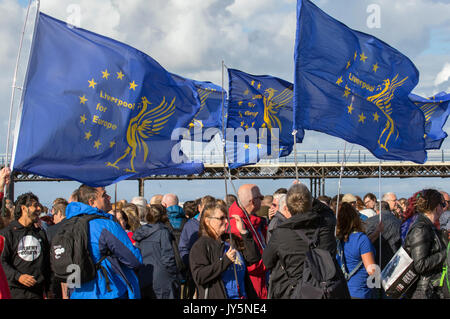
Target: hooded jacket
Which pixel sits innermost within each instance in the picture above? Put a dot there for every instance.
(159, 271)
(257, 271)
(107, 236)
(286, 249)
(26, 251)
(176, 216)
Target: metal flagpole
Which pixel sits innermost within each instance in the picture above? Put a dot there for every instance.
(379, 207)
(339, 186)
(13, 90)
(294, 133)
(228, 172)
(225, 174)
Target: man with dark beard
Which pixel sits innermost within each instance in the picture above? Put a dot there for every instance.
(26, 258)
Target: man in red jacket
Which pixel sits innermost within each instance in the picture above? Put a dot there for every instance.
(250, 199)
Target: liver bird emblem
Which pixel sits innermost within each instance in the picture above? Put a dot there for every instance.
(272, 105)
(383, 101)
(143, 126)
(203, 95)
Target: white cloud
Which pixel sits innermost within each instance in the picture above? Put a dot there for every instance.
(443, 76)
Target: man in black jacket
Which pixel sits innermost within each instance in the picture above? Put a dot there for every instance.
(285, 253)
(26, 258)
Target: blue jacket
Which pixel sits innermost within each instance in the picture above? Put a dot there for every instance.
(189, 236)
(160, 269)
(176, 216)
(107, 235)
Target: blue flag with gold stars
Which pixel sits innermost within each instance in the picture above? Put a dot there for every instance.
(98, 111)
(354, 86)
(260, 118)
(436, 110)
(209, 118)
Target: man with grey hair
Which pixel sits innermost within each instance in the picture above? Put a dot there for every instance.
(286, 252)
(281, 215)
(394, 207)
(141, 204)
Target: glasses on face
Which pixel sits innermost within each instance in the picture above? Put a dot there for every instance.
(223, 218)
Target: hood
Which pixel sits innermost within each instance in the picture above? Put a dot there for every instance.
(175, 211)
(301, 221)
(147, 230)
(77, 208)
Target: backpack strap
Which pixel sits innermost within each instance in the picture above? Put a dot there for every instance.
(340, 251)
(98, 265)
(312, 243)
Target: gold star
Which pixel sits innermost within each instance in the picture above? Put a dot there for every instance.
(350, 108)
(346, 93)
(252, 83)
(83, 119)
(105, 74)
(339, 81)
(83, 99)
(375, 116)
(242, 123)
(361, 118)
(111, 144)
(120, 75)
(375, 67)
(362, 57)
(356, 54)
(246, 127)
(348, 64)
(246, 146)
(133, 85)
(92, 83)
(87, 135)
(240, 103)
(259, 86)
(258, 146)
(97, 144)
(246, 91)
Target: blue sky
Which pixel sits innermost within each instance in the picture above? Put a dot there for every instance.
(191, 38)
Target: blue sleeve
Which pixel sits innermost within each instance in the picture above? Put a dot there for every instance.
(183, 245)
(365, 246)
(116, 240)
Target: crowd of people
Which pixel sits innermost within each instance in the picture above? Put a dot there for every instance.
(247, 246)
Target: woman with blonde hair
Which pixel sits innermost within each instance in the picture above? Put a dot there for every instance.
(218, 260)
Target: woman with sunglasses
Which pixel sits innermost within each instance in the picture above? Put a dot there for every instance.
(216, 262)
(426, 245)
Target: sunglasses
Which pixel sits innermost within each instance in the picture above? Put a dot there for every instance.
(223, 218)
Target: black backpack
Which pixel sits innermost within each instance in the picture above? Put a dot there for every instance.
(69, 246)
(322, 276)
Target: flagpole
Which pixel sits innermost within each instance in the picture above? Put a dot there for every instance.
(13, 90)
(228, 172)
(339, 186)
(294, 133)
(379, 207)
(225, 172)
(223, 134)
